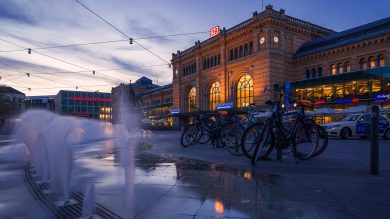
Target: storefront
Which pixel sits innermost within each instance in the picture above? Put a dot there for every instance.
(343, 91)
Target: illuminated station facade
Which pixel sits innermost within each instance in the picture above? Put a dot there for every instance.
(271, 48)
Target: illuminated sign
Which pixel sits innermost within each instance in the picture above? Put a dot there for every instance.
(174, 111)
(214, 31)
(353, 100)
(382, 97)
(80, 115)
(92, 99)
(319, 102)
(222, 106)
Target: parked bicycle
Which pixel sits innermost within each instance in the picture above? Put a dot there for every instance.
(204, 129)
(236, 130)
(304, 138)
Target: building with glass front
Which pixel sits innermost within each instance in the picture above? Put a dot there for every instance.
(346, 69)
(94, 105)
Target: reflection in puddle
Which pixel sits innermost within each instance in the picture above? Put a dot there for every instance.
(218, 207)
(223, 191)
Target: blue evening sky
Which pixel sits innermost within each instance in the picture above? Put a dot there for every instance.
(43, 23)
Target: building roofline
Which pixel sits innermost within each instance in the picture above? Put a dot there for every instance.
(359, 33)
(264, 14)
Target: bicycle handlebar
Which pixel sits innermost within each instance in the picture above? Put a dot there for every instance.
(280, 94)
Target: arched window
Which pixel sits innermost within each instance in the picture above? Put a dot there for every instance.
(208, 63)
(215, 60)
(241, 52)
(214, 97)
(333, 69)
(347, 66)
(204, 63)
(194, 67)
(191, 99)
(307, 74)
(236, 53)
(231, 55)
(340, 68)
(244, 91)
(313, 73)
(219, 59)
(362, 64)
(246, 50)
(211, 61)
(381, 60)
(250, 47)
(319, 72)
(372, 61)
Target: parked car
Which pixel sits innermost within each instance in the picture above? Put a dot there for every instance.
(357, 125)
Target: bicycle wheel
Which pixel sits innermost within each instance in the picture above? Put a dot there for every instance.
(305, 140)
(322, 141)
(204, 137)
(251, 138)
(233, 139)
(223, 131)
(189, 136)
(264, 145)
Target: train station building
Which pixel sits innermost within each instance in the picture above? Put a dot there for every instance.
(272, 48)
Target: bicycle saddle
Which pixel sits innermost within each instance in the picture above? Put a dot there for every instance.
(306, 103)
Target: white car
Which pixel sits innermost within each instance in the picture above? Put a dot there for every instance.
(357, 125)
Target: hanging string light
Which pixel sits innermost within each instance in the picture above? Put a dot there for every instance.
(28, 74)
(29, 51)
(131, 40)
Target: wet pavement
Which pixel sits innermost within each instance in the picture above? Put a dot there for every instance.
(207, 182)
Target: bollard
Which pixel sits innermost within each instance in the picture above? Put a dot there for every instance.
(278, 152)
(374, 140)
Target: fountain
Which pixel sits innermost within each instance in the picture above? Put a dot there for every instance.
(51, 140)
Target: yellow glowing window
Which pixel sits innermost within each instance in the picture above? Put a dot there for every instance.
(372, 62)
(214, 98)
(381, 60)
(347, 66)
(333, 69)
(340, 68)
(362, 64)
(191, 99)
(244, 91)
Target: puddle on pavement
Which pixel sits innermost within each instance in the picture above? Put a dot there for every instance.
(223, 191)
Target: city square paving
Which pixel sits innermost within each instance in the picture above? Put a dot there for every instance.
(202, 181)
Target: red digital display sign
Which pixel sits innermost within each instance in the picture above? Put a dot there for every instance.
(214, 31)
(79, 115)
(92, 99)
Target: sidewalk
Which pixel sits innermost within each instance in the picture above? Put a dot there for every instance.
(337, 184)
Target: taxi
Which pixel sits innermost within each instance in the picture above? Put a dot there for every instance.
(357, 125)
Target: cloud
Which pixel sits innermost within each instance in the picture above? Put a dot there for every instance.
(10, 10)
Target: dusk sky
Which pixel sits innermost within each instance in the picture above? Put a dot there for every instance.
(42, 23)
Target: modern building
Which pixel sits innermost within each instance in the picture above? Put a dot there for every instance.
(272, 48)
(40, 102)
(11, 105)
(94, 105)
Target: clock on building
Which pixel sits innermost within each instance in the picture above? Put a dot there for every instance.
(262, 40)
(276, 39)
